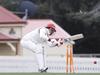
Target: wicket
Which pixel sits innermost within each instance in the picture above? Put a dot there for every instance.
(69, 58)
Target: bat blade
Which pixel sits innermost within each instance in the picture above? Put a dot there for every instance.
(72, 38)
(76, 37)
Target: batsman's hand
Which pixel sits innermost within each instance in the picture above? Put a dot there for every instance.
(59, 42)
(55, 42)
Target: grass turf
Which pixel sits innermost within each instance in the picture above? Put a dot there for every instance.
(49, 74)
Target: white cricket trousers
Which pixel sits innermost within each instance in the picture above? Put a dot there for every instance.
(38, 49)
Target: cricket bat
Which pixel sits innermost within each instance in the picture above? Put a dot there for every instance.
(74, 37)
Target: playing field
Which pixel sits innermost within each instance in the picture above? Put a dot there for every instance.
(49, 74)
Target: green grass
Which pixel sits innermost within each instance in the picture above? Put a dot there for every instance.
(49, 74)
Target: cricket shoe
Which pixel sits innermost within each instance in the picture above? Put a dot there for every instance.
(43, 70)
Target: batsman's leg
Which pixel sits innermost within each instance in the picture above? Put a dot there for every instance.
(39, 51)
(41, 59)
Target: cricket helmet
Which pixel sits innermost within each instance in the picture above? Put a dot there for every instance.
(50, 25)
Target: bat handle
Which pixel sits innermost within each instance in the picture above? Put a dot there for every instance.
(68, 40)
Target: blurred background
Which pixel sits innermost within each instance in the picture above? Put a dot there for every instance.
(74, 16)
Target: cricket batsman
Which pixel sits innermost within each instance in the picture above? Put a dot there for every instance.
(35, 41)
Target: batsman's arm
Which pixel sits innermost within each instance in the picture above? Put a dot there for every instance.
(53, 42)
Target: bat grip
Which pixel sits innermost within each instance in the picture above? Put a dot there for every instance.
(68, 40)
